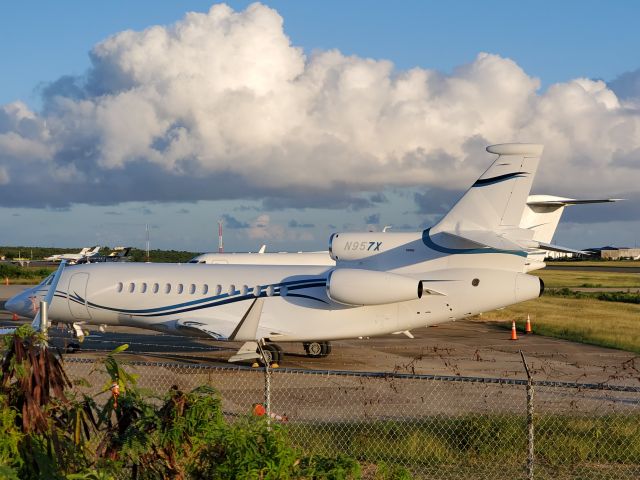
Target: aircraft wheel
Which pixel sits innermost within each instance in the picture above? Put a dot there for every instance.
(317, 349)
(272, 353)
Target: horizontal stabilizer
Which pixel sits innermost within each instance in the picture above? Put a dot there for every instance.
(562, 202)
(557, 248)
(486, 239)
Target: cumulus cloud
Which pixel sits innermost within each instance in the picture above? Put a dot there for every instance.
(373, 219)
(221, 105)
(293, 223)
(233, 223)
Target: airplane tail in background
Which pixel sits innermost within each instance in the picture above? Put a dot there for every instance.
(542, 214)
(495, 202)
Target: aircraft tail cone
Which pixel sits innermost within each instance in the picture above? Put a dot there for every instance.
(527, 328)
(514, 333)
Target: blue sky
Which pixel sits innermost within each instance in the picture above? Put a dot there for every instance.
(552, 43)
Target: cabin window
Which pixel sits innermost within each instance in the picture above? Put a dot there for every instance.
(180, 288)
(192, 289)
(205, 289)
(218, 289)
(143, 287)
(167, 288)
(232, 289)
(132, 287)
(156, 288)
(119, 287)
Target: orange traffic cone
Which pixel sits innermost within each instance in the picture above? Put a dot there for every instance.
(14, 317)
(514, 334)
(527, 327)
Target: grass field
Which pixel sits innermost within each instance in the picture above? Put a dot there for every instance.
(572, 279)
(486, 446)
(598, 263)
(608, 324)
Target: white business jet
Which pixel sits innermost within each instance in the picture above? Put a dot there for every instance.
(72, 258)
(474, 260)
(58, 257)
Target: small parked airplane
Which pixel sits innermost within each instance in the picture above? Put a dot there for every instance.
(72, 258)
(473, 260)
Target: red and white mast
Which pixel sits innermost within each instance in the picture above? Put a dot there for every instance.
(220, 244)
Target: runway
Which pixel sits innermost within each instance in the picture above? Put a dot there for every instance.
(464, 348)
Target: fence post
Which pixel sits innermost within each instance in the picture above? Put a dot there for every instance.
(267, 383)
(530, 438)
(44, 319)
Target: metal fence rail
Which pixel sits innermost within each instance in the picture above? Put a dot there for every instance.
(434, 426)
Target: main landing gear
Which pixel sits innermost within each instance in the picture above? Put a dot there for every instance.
(317, 349)
(272, 353)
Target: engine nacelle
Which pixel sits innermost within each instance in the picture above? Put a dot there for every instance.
(358, 246)
(351, 286)
(528, 287)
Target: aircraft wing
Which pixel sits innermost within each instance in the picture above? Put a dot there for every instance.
(247, 329)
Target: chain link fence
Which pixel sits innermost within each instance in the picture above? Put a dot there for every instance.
(444, 427)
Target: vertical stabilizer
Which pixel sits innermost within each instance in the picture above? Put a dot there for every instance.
(542, 215)
(496, 201)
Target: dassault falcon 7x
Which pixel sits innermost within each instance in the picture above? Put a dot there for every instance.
(475, 259)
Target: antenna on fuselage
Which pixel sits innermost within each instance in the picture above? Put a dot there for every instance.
(147, 231)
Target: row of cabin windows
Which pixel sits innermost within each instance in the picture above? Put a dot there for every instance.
(193, 289)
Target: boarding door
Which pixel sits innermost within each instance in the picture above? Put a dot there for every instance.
(77, 296)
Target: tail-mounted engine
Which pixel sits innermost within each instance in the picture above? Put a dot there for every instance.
(351, 286)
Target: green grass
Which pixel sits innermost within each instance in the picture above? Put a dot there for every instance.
(597, 263)
(573, 279)
(623, 297)
(477, 444)
(24, 275)
(586, 320)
